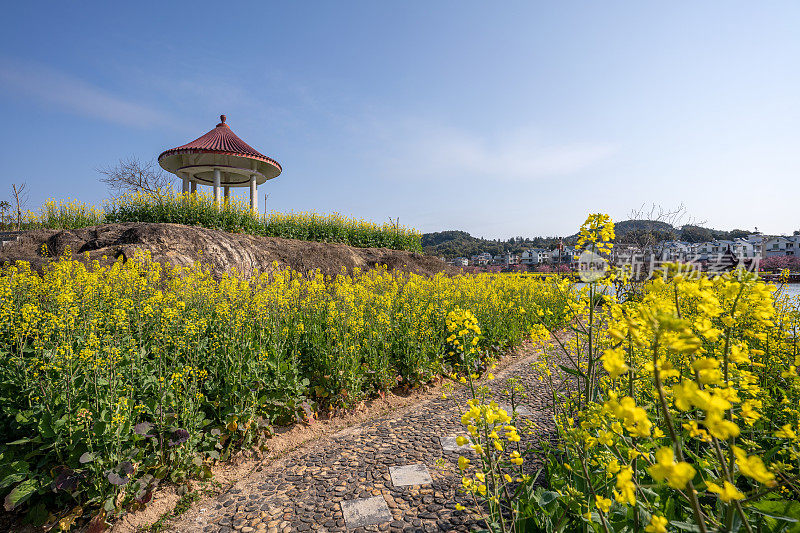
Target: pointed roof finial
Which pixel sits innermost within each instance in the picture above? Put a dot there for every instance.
(220, 140)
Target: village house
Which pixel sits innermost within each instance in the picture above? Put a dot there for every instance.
(482, 259)
(744, 249)
(777, 246)
(675, 251)
(624, 254)
(506, 259)
(535, 256)
(565, 255)
(701, 251)
(758, 242)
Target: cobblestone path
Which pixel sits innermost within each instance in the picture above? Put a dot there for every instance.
(396, 473)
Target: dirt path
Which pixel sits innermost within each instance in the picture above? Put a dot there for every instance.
(393, 473)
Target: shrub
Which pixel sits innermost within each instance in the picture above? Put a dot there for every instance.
(682, 413)
(63, 215)
(200, 210)
(115, 377)
(780, 263)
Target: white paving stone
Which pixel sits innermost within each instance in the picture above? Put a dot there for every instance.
(449, 445)
(522, 410)
(410, 475)
(365, 512)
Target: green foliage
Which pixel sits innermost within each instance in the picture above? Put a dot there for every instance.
(233, 216)
(678, 412)
(65, 214)
(183, 505)
(201, 210)
(451, 244)
(690, 233)
(116, 378)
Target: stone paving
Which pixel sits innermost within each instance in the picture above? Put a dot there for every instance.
(396, 473)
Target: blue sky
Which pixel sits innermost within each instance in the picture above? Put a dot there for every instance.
(501, 119)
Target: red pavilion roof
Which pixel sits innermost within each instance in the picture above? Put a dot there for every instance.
(220, 140)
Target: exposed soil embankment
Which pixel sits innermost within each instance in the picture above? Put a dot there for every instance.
(176, 244)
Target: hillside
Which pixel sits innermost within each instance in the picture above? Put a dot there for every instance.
(629, 230)
(184, 245)
(451, 244)
(454, 243)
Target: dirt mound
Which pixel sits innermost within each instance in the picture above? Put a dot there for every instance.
(222, 251)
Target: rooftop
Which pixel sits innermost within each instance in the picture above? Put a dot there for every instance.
(220, 140)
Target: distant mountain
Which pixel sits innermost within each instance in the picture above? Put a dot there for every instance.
(455, 243)
(638, 232)
(441, 237)
(628, 226)
(627, 229)
(700, 234)
(452, 244)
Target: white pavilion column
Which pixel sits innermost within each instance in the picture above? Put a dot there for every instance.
(253, 194)
(217, 195)
(185, 183)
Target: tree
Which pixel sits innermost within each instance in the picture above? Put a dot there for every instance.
(692, 233)
(5, 215)
(780, 262)
(653, 228)
(20, 200)
(133, 175)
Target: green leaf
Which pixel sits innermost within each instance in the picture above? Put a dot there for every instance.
(10, 479)
(573, 371)
(19, 441)
(86, 458)
(685, 526)
(20, 494)
(19, 471)
(160, 472)
(545, 497)
(109, 505)
(784, 510)
(38, 515)
(45, 427)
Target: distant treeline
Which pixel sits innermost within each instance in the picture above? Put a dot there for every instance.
(451, 244)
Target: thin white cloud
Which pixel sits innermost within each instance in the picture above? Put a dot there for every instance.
(71, 94)
(431, 151)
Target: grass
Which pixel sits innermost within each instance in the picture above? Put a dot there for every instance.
(103, 367)
(233, 216)
(183, 504)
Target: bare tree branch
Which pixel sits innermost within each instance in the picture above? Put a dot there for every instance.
(676, 217)
(21, 200)
(133, 175)
(656, 222)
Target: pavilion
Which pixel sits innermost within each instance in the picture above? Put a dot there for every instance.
(222, 160)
